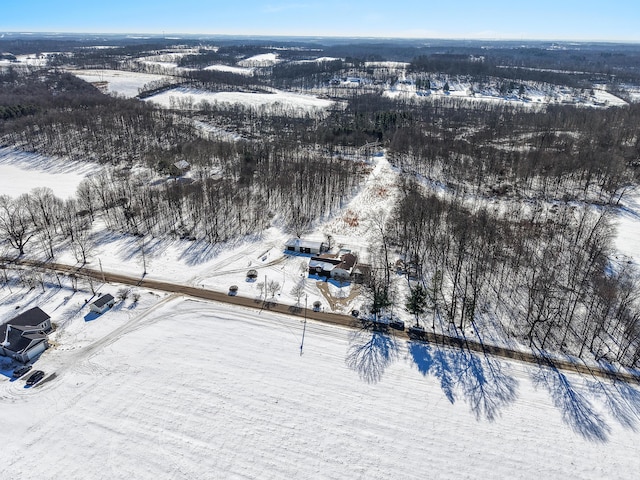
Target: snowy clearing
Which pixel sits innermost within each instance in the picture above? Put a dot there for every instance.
(261, 60)
(21, 172)
(126, 84)
(187, 98)
(230, 69)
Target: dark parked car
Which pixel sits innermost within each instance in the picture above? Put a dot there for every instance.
(397, 324)
(20, 371)
(35, 377)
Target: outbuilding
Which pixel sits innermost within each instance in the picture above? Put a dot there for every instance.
(104, 303)
(300, 245)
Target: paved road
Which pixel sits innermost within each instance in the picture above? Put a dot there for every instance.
(337, 319)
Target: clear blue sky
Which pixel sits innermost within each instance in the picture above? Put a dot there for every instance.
(515, 19)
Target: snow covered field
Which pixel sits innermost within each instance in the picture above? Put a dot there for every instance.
(21, 172)
(176, 388)
(126, 84)
(293, 103)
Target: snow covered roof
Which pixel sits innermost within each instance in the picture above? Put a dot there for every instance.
(182, 164)
(323, 266)
(301, 243)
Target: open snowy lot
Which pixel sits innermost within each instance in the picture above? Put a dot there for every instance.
(126, 84)
(175, 388)
(230, 69)
(293, 103)
(21, 172)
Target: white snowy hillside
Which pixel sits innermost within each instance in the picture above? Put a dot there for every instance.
(261, 60)
(126, 84)
(21, 172)
(188, 98)
(176, 388)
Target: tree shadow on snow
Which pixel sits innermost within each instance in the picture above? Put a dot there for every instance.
(577, 411)
(199, 252)
(479, 380)
(370, 353)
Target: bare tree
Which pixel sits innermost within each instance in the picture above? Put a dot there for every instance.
(15, 222)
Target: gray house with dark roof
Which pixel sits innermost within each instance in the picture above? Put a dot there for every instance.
(24, 337)
(104, 303)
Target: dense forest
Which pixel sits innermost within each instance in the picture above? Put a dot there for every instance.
(504, 209)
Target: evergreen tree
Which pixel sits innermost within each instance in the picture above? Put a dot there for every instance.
(416, 301)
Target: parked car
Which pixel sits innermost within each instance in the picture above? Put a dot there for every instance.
(416, 331)
(397, 324)
(20, 371)
(35, 377)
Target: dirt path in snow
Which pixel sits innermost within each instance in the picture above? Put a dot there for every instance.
(337, 319)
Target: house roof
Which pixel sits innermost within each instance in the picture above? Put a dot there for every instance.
(325, 266)
(33, 316)
(30, 318)
(348, 261)
(17, 341)
(103, 300)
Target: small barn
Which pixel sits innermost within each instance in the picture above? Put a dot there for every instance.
(300, 245)
(25, 336)
(104, 303)
(179, 168)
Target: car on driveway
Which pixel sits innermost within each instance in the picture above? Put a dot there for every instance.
(35, 377)
(20, 371)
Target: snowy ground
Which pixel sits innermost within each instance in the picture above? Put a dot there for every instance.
(126, 84)
(176, 388)
(292, 103)
(231, 69)
(533, 96)
(261, 60)
(21, 172)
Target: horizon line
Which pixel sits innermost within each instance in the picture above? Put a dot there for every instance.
(170, 35)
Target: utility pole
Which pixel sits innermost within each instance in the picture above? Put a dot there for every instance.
(304, 328)
(102, 271)
(144, 260)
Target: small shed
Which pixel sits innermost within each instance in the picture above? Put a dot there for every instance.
(179, 168)
(104, 303)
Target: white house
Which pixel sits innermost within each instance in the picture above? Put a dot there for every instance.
(24, 337)
(104, 303)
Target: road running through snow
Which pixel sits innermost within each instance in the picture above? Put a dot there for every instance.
(542, 360)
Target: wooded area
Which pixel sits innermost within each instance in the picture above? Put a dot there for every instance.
(504, 212)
